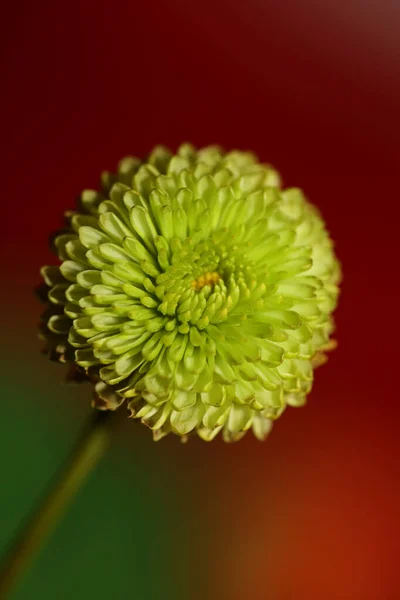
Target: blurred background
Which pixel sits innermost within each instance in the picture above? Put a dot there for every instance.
(312, 87)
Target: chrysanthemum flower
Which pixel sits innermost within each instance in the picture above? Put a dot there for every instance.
(196, 290)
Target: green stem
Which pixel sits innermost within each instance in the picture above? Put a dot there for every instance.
(87, 453)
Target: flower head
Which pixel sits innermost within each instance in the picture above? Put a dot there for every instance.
(196, 290)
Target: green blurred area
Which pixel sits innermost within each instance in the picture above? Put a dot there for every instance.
(126, 533)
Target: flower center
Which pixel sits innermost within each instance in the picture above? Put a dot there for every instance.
(209, 278)
(202, 283)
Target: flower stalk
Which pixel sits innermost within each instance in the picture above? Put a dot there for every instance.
(25, 548)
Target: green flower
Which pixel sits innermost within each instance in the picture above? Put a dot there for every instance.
(195, 289)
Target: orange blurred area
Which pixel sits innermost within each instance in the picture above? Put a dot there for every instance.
(315, 518)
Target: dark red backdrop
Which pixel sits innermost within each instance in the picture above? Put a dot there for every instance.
(314, 88)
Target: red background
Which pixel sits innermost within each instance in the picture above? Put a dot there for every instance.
(314, 88)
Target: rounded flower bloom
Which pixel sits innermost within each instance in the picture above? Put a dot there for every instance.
(196, 290)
